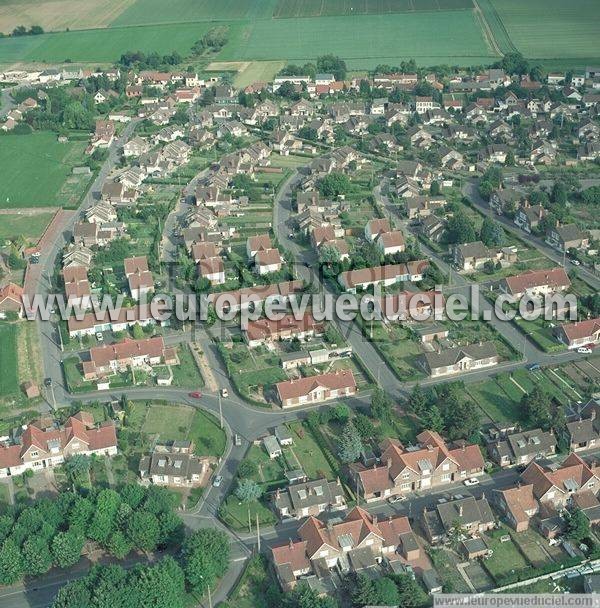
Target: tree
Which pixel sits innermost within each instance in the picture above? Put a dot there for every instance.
(334, 184)
(491, 233)
(143, 530)
(363, 591)
(460, 228)
(578, 525)
(418, 401)
(559, 194)
(536, 408)
(331, 64)
(340, 413)
(386, 592)
(513, 63)
(432, 419)
(410, 592)
(247, 468)
(435, 189)
(329, 255)
(205, 555)
(118, 545)
(461, 418)
(77, 467)
(36, 556)
(161, 585)
(248, 490)
(66, 548)
(103, 521)
(137, 331)
(350, 445)
(304, 597)
(381, 405)
(11, 566)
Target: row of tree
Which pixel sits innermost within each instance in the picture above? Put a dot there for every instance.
(53, 532)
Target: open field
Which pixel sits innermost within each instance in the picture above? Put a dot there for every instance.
(36, 171)
(451, 35)
(257, 71)
(55, 15)
(29, 226)
(143, 12)
(326, 8)
(9, 379)
(552, 28)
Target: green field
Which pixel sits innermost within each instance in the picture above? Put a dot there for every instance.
(29, 226)
(9, 379)
(326, 8)
(452, 36)
(36, 171)
(552, 28)
(181, 11)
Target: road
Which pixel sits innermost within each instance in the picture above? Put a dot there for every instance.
(470, 190)
(6, 101)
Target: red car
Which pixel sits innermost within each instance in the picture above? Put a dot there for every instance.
(195, 395)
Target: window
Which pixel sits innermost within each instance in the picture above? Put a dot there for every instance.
(446, 477)
(34, 454)
(446, 466)
(406, 475)
(405, 486)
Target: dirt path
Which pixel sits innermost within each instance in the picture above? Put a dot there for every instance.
(205, 369)
(487, 30)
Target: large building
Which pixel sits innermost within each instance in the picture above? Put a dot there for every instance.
(316, 389)
(44, 444)
(429, 464)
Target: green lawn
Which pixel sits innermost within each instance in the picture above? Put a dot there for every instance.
(171, 422)
(506, 557)
(250, 591)
(494, 401)
(235, 513)
(308, 453)
(205, 432)
(29, 226)
(186, 374)
(36, 170)
(444, 562)
(9, 379)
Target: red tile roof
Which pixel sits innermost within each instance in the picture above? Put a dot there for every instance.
(555, 278)
(292, 389)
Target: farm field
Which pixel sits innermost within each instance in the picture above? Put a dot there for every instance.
(28, 226)
(143, 12)
(321, 8)
(551, 28)
(36, 171)
(257, 71)
(453, 36)
(55, 15)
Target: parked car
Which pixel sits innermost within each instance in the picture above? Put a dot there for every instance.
(99, 336)
(224, 393)
(195, 395)
(396, 498)
(584, 350)
(533, 367)
(237, 440)
(217, 481)
(473, 481)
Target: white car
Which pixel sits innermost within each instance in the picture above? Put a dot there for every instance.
(584, 350)
(575, 262)
(217, 481)
(224, 393)
(471, 482)
(99, 336)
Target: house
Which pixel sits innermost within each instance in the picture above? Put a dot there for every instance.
(376, 227)
(108, 359)
(77, 286)
(472, 256)
(101, 213)
(528, 217)
(138, 276)
(91, 323)
(272, 446)
(494, 153)
(44, 444)
(309, 498)
(568, 236)
(430, 463)
(557, 485)
(104, 134)
(136, 147)
(460, 359)
(582, 430)
(536, 282)
(118, 193)
(263, 331)
(174, 464)
(267, 261)
(315, 389)
(357, 542)
(472, 515)
(351, 280)
(212, 269)
(521, 448)
(518, 505)
(505, 200)
(283, 435)
(259, 242)
(11, 299)
(423, 206)
(579, 334)
(391, 242)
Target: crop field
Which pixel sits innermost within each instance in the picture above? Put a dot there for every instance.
(320, 8)
(552, 28)
(452, 37)
(36, 171)
(181, 11)
(55, 15)
(9, 379)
